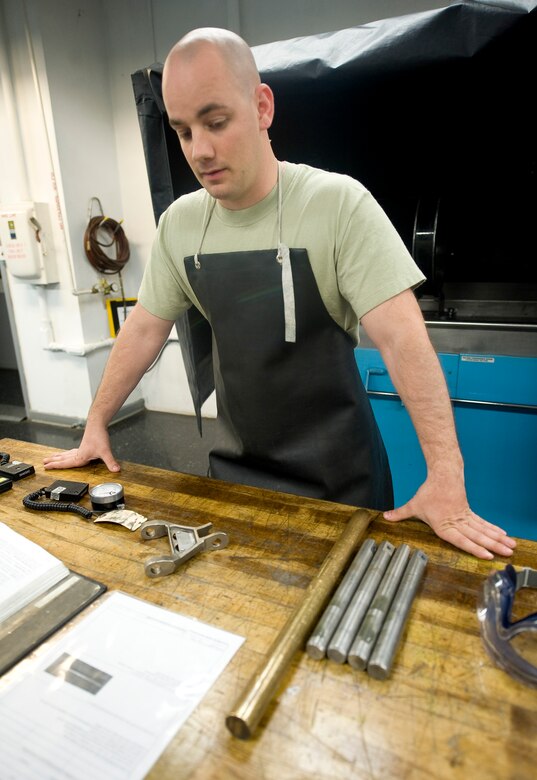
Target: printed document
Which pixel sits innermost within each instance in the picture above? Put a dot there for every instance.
(105, 698)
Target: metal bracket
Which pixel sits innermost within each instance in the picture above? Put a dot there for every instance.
(185, 541)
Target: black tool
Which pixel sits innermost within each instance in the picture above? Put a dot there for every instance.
(65, 490)
(14, 470)
(32, 501)
(5, 484)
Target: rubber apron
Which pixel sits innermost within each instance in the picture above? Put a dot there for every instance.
(293, 415)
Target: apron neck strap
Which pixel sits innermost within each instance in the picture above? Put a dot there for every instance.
(208, 214)
(282, 256)
(280, 198)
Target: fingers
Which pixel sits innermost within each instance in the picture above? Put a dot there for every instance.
(111, 464)
(65, 460)
(401, 513)
(474, 535)
(105, 454)
(76, 459)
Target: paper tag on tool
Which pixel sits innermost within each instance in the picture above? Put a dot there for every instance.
(131, 520)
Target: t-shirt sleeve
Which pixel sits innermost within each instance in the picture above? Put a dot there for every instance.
(162, 291)
(373, 263)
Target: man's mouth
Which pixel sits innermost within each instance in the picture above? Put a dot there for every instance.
(212, 174)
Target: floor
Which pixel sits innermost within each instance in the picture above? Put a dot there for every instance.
(169, 441)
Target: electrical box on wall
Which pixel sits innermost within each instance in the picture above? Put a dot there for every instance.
(26, 242)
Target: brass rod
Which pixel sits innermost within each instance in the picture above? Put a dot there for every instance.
(251, 706)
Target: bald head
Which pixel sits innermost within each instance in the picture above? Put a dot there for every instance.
(221, 112)
(234, 52)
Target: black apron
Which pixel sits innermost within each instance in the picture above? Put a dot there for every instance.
(292, 417)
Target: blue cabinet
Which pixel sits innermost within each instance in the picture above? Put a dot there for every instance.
(494, 401)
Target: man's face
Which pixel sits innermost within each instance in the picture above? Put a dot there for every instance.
(218, 124)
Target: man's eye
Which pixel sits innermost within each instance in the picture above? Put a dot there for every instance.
(218, 124)
(184, 135)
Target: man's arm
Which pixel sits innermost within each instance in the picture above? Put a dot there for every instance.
(397, 328)
(138, 343)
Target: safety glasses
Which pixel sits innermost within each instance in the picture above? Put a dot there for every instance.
(494, 611)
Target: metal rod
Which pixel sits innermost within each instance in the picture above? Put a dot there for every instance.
(323, 631)
(381, 659)
(250, 707)
(372, 623)
(339, 645)
(485, 325)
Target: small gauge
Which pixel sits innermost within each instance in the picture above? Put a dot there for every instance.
(107, 496)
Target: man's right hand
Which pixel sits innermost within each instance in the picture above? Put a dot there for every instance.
(138, 344)
(92, 447)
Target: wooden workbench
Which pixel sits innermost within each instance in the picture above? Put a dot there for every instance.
(445, 712)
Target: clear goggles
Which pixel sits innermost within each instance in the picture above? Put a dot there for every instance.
(498, 629)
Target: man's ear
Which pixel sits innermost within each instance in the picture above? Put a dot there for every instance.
(265, 106)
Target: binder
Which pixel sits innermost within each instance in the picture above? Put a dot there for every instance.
(26, 629)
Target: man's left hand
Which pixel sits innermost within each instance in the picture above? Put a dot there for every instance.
(451, 519)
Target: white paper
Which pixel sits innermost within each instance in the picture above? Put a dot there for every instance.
(105, 700)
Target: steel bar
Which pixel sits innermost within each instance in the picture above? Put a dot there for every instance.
(323, 631)
(371, 625)
(381, 658)
(253, 702)
(339, 645)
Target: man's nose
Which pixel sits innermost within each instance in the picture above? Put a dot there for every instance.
(202, 146)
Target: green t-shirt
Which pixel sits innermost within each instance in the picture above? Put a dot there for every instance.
(357, 256)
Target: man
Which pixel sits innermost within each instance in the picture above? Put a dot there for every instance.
(284, 260)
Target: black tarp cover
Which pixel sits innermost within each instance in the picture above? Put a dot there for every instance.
(409, 72)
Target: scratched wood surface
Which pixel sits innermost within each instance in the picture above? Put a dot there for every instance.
(445, 712)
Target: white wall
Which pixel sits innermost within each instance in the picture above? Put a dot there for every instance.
(69, 131)
(27, 138)
(58, 112)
